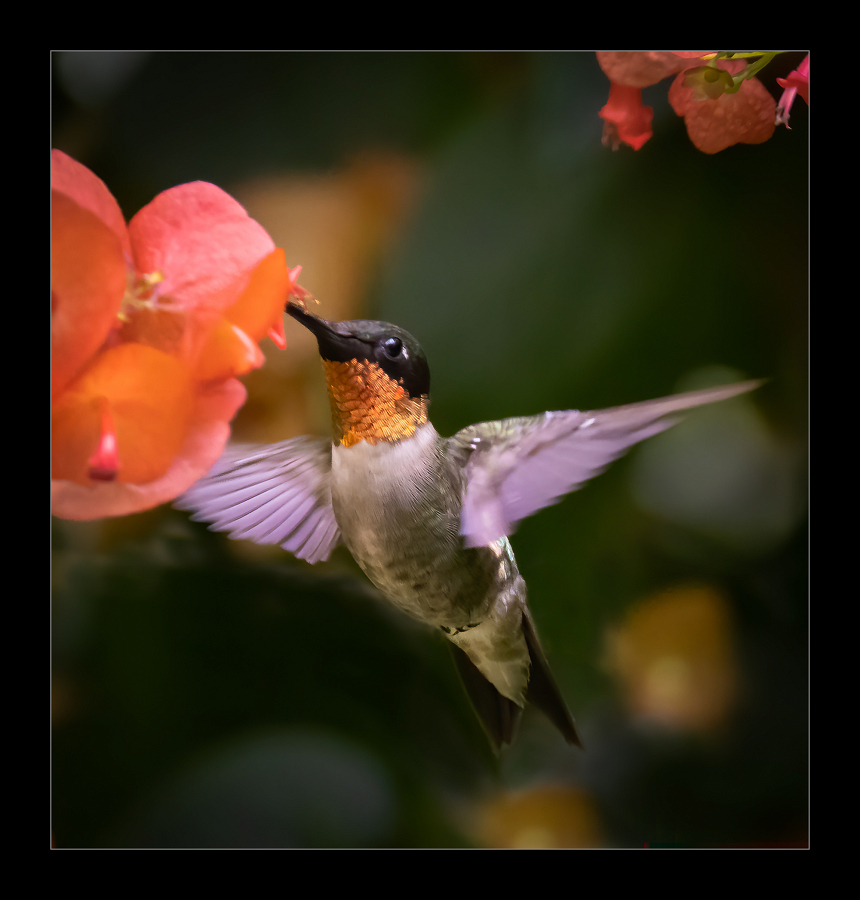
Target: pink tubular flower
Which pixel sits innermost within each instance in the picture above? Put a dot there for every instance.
(625, 119)
(150, 324)
(796, 82)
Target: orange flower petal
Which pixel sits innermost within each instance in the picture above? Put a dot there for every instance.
(150, 398)
(262, 303)
(203, 241)
(278, 336)
(69, 177)
(208, 432)
(162, 328)
(88, 274)
(228, 351)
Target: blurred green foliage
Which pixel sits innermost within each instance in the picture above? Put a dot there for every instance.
(205, 696)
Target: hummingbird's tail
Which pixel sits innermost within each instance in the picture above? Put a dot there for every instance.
(498, 714)
(542, 690)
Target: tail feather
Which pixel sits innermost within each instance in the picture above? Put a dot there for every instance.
(498, 715)
(543, 691)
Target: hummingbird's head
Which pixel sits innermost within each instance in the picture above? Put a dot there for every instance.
(377, 375)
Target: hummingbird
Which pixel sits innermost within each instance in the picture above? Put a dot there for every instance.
(427, 518)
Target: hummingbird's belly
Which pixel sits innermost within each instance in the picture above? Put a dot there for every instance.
(445, 589)
(398, 509)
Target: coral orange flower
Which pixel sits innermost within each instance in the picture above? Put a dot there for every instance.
(640, 68)
(747, 116)
(150, 324)
(625, 119)
(718, 109)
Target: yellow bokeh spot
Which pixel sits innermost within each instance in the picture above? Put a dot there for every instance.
(546, 817)
(674, 658)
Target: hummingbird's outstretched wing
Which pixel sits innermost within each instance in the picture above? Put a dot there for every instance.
(517, 466)
(275, 494)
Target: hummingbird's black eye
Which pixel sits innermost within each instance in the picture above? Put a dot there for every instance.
(393, 347)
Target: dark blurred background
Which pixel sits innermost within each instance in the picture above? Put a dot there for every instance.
(212, 693)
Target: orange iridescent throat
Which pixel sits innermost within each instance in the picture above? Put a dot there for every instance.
(366, 405)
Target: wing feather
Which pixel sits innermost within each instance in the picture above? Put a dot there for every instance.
(517, 466)
(277, 494)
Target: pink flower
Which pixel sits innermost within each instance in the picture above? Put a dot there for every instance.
(796, 82)
(150, 324)
(717, 113)
(625, 119)
(743, 117)
(640, 68)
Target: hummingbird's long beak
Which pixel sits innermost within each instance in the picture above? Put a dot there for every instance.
(335, 339)
(311, 322)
